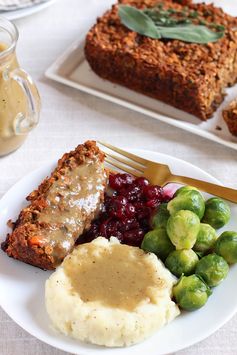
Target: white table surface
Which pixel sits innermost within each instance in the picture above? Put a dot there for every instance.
(69, 117)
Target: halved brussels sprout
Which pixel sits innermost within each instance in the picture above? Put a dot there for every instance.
(212, 269)
(183, 228)
(187, 199)
(161, 216)
(217, 212)
(205, 239)
(226, 246)
(191, 292)
(182, 262)
(158, 242)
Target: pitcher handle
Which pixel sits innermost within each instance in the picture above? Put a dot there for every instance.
(24, 122)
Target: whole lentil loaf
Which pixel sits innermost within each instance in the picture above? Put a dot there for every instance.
(189, 76)
(60, 210)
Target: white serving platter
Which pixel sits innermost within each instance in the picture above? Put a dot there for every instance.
(72, 69)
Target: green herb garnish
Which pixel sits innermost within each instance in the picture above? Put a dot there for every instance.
(159, 23)
(136, 20)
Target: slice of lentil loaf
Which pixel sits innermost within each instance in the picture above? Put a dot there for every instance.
(189, 76)
(60, 209)
(230, 117)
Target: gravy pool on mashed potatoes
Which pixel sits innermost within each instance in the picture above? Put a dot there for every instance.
(110, 294)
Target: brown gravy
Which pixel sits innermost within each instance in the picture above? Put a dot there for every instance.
(73, 201)
(117, 277)
(12, 103)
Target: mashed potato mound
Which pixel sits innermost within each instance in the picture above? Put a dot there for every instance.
(110, 294)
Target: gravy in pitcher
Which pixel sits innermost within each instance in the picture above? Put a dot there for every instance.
(13, 103)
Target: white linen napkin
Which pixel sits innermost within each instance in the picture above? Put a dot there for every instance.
(9, 5)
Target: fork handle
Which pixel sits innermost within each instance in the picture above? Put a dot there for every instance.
(221, 191)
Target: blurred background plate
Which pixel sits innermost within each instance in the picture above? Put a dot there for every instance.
(72, 69)
(27, 11)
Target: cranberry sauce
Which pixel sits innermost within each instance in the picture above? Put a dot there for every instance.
(126, 212)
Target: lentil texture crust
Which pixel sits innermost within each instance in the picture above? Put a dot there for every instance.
(189, 76)
(23, 243)
(230, 117)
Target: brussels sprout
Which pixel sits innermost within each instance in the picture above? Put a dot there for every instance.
(188, 199)
(183, 228)
(158, 242)
(160, 218)
(205, 239)
(212, 269)
(226, 246)
(191, 292)
(217, 212)
(182, 262)
(184, 189)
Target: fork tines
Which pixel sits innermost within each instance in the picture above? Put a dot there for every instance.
(131, 164)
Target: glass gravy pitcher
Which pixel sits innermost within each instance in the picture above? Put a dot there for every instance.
(19, 97)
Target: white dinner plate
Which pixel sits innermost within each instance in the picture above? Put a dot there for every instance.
(22, 286)
(24, 12)
(72, 69)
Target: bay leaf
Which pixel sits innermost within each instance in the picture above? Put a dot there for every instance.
(137, 21)
(190, 33)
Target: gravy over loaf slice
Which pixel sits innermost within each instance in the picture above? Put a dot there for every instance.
(60, 210)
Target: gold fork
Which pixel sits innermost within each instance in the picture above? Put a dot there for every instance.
(160, 174)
